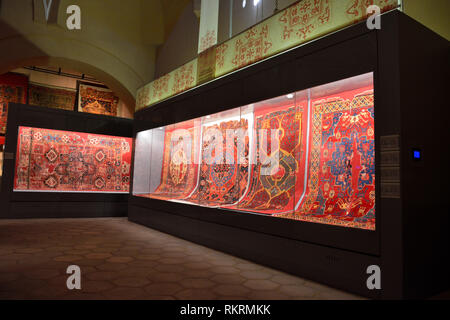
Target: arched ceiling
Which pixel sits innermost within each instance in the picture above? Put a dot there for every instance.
(117, 40)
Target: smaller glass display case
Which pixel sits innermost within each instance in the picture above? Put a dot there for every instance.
(308, 155)
(65, 161)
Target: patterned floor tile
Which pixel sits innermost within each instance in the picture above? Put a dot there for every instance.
(122, 260)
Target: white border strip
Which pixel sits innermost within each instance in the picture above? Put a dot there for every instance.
(305, 179)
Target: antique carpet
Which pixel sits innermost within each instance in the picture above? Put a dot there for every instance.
(13, 88)
(341, 178)
(98, 100)
(274, 190)
(49, 97)
(180, 167)
(223, 178)
(64, 161)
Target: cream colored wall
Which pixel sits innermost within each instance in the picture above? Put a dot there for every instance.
(181, 44)
(434, 14)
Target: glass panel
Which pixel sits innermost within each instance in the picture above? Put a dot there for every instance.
(341, 163)
(65, 161)
(156, 158)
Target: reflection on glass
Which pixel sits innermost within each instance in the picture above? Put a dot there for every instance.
(142, 154)
(306, 156)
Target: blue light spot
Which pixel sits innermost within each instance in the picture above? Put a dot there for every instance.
(416, 154)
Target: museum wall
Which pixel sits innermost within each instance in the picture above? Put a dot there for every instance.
(126, 44)
(182, 43)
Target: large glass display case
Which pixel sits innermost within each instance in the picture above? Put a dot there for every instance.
(66, 161)
(308, 155)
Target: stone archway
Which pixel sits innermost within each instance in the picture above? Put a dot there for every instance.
(16, 52)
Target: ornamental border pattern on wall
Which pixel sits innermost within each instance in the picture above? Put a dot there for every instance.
(253, 47)
(160, 86)
(183, 78)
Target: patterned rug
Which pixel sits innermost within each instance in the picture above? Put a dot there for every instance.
(64, 161)
(13, 88)
(51, 97)
(274, 190)
(98, 100)
(223, 177)
(341, 181)
(179, 168)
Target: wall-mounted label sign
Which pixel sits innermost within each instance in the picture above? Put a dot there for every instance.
(390, 158)
(390, 190)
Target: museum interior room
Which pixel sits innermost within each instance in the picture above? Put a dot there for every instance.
(224, 150)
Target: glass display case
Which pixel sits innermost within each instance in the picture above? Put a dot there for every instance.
(308, 155)
(66, 161)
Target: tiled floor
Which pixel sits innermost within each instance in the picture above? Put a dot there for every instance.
(123, 260)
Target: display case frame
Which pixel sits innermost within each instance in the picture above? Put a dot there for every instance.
(58, 204)
(334, 255)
